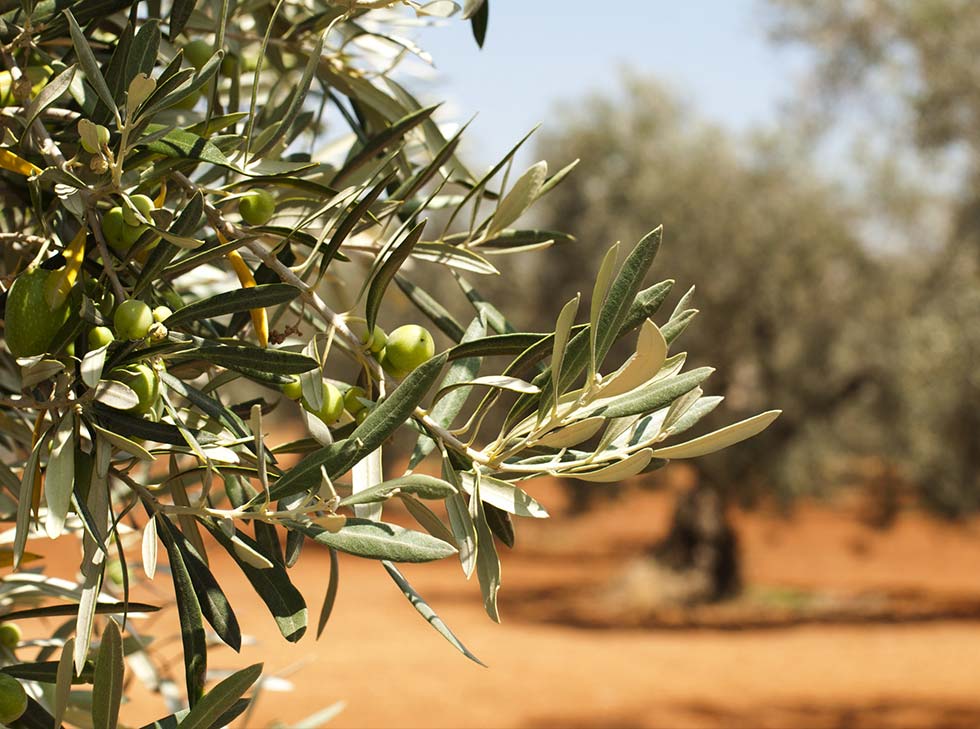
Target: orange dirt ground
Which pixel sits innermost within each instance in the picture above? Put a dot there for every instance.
(915, 666)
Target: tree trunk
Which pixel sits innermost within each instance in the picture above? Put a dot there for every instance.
(699, 555)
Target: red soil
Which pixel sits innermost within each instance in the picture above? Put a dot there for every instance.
(915, 669)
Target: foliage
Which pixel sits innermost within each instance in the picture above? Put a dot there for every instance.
(131, 174)
(913, 66)
(793, 305)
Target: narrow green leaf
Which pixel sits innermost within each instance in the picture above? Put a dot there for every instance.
(379, 540)
(52, 91)
(487, 561)
(690, 418)
(380, 142)
(653, 396)
(107, 686)
(719, 439)
(230, 302)
(330, 596)
(427, 612)
(421, 485)
(63, 682)
(563, 327)
(182, 144)
(616, 471)
(192, 632)
(602, 282)
(387, 270)
(519, 198)
(89, 65)
(251, 358)
(272, 585)
(221, 698)
(504, 495)
(623, 292)
(60, 477)
(435, 311)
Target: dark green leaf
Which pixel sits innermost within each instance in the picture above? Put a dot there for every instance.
(49, 94)
(479, 22)
(221, 698)
(331, 595)
(230, 302)
(47, 671)
(187, 145)
(87, 60)
(244, 357)
(272, 585)
(435, 311)
(377, 144)
(347, 224)
(107, 684)
(180, 13)
(102, 608)
(213, 604)
(387, 270)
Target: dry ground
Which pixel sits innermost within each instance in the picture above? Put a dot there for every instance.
(842, 626)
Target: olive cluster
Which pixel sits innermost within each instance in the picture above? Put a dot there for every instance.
(398, 353)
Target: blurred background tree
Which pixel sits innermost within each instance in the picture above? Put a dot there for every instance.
(860, 287)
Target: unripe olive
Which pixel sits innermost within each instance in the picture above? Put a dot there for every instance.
(256, 207)
(100, 337)
(332, 407)
(293, 389)
(119, 234)
(190, 101)
(161, 313)
(9, 635)
(133, 319)
(353, 399)
(13, 699)
(103, 138)
(30, 321)
(408, 347)
(141, 379)
(389, 367)
(114, 572)
(362, 415)
(375, 340)
(198, 52)
(143, 203)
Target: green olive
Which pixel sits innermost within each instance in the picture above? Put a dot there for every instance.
(332, 407)
(10, 635)
(143, 203)
(160, 313)
(13, 699)
(100, 337)
(408, 347)
(353, 399)
(132, 319)
(103, 140)
(293, 389)
(375, 341)
(256, 207)
(142, 380)
(198, 52)
(30, 322)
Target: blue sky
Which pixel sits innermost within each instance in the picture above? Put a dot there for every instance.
(714, 53)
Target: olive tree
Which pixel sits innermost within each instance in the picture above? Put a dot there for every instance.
(205, 206)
